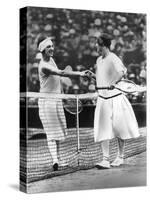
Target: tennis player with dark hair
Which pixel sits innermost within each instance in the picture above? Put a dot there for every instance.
(114, 117)
(51, 110)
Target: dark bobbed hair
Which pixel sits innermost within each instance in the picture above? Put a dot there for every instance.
(105, 40)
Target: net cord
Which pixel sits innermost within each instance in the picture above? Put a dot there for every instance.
(58, 96)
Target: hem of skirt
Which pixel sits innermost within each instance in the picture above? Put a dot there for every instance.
(133, 137)
(101, 140)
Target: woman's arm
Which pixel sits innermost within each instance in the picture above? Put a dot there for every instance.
(55, 71)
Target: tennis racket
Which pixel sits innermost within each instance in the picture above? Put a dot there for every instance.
(73, 106)
(125, 86)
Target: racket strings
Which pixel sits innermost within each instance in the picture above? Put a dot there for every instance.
(72, 106)
(125, 86)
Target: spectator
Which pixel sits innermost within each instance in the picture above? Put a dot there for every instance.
(75, 38)
(33, 82)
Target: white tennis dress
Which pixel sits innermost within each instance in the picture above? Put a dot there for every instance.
(51, 111)
(114, 117)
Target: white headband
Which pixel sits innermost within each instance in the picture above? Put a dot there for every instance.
(44, 44)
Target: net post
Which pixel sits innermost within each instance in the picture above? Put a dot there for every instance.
(77, 125)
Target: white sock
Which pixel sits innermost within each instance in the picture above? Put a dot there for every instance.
(53, 150)
(105, 149)
(121, 146)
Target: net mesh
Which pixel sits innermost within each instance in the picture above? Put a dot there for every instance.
(76, 151)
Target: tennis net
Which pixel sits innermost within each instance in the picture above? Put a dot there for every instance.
(78, 150)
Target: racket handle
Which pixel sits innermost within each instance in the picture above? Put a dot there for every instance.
(111, 87)
(103, 88)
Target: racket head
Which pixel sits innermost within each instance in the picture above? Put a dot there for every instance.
(129, 87)
(70, 105)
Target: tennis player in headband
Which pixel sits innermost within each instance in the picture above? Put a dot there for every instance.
(51, 111)
(114, 117)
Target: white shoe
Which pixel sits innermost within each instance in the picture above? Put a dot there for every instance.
(104, 164)
(117, 162)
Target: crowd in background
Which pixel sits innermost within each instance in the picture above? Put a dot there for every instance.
(73, 33)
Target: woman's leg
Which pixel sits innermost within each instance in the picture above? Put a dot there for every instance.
(105, 149)
(119, 159)
(52, 145)
(104, 164)
(121, 145)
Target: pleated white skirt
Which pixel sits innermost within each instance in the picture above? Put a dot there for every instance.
(52, 116)
(114, 118)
